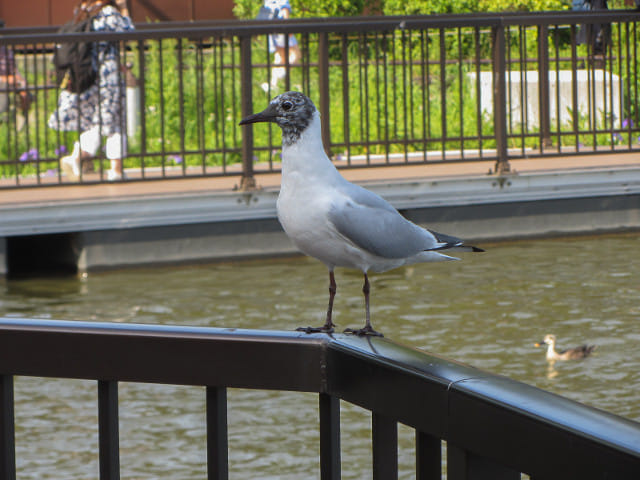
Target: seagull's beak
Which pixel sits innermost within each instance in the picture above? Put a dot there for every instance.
(267, 115)
(538, 344)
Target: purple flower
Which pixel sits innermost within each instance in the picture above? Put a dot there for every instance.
(617, 137)
(61, 150)
(31, 154)
(175, 158)
(627, 123)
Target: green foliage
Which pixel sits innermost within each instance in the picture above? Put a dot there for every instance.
(247, 9)
(428, 7)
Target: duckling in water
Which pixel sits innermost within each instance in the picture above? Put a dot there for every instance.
(568, 354)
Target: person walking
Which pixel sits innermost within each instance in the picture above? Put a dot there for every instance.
(280, 10)
(99, 110)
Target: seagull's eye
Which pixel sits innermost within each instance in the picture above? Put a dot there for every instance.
(286, 106)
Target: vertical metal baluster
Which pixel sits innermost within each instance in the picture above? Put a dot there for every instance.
(479, 127)
(329, 437)
(181, 97)
(463, 465)
(544, 88)
(384, 433)
(248, 181)
(574, 88)
(323, 86)
(7, 429)
(141, 107)
(108, 430)
(344, 43)
(500, 98)
(217, 446)
(456, 463)
(443, 93)
(428, 457)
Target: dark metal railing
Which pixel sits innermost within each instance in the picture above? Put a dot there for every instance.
(494, 427)
(392, 91)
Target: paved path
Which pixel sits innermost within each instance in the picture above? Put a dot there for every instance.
(271, 181)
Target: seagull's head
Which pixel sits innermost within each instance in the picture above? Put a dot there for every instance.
(291, 111)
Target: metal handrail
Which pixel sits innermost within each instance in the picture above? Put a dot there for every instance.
(494, 427)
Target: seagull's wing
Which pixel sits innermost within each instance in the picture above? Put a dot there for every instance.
(372, 224)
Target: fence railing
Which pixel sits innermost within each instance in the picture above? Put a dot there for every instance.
(494, 427)
(392, 91)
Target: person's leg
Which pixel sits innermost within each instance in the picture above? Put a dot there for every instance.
(116, 150)
(85, 148)
(278, 71)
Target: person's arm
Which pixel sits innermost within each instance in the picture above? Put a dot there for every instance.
(122, 6)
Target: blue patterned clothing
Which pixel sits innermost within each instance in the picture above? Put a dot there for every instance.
(103, 103)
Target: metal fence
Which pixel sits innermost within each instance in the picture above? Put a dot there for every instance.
(391, 90)
(494, 427)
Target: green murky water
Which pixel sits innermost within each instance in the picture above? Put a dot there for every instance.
(486, 310)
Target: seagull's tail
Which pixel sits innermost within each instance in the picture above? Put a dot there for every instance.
(464, 248)
(449, 242)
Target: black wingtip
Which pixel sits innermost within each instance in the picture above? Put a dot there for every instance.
(476, 249)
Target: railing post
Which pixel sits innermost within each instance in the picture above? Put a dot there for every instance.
(384, 432)
(428, 457)
(108, 430)
(500, 98)
(543, 85)
(247, 182)
(323, 86)
(7, 429)
(329, 437)
(217, 443)
(463, 465)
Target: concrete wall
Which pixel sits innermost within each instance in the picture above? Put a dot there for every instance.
(195, 243)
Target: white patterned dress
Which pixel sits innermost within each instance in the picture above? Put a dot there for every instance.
(103, 103)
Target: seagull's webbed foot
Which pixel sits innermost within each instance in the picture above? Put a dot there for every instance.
(365, 331)
(322, 329)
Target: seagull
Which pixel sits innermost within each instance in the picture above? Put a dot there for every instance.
(576, 353)
(335, 221)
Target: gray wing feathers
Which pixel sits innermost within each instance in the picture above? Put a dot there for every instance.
(374, 225)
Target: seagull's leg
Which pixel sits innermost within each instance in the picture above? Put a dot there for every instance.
(368, 329)
(328, 325)
(332, 293)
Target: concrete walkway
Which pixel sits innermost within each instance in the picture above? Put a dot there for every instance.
(404, 173)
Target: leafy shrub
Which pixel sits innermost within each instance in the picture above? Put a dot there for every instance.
(248, 9)
(402, 7)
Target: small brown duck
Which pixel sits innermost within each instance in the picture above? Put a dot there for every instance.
(576, 353)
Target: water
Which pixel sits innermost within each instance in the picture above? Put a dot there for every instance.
(486, 311)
